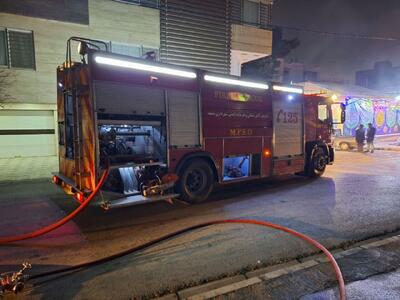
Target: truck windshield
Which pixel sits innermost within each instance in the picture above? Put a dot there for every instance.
(336, 113)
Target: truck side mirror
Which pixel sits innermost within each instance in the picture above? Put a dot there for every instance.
(343, 113)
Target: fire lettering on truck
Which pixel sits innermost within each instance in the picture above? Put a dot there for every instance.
(287, 117)
(241, 131)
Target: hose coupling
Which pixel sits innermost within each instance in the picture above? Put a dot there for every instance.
(14, 281)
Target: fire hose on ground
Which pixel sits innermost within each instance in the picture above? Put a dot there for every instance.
(14, 281)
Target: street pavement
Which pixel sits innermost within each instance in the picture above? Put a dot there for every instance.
(357, 198)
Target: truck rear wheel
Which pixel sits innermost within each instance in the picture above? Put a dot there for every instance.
(196, 181)
(317, 164)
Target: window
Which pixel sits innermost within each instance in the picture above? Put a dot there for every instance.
(250, 12)
(69, 125)
(17, 49)
(322, 112)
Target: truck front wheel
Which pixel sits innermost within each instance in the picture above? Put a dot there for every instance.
(317, 164)
(196, 181)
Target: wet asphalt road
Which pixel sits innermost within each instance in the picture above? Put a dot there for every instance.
(357, 198)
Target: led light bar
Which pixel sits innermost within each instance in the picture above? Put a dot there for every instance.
(143, 67)
(236, 82)
(287, 89)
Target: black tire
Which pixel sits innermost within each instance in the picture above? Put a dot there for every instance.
(196, 181)
(317, 164)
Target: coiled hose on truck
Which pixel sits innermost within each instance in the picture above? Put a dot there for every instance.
(51, 227)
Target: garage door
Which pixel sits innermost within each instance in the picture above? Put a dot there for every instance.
(25, 133)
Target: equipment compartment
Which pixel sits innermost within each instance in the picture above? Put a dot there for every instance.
(236, 167)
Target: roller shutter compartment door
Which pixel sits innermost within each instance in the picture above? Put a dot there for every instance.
(128, 99)
(26, 133)
(183, 115)
(288, 127)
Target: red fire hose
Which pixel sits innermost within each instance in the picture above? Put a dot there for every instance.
(61, 222)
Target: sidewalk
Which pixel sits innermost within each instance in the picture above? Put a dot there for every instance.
(387, 146)
(378, 287)
(374, 261)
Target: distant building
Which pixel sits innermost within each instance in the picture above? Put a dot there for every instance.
(295, 72)
(298, 72)
(384, 77)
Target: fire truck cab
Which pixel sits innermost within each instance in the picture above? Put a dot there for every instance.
(168, 131)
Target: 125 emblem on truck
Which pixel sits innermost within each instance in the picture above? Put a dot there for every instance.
(287, 117)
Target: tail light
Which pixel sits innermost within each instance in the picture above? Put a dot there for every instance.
(80, 197)
(55, 180)
(170, 177)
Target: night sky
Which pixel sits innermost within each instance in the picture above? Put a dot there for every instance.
(338, 57)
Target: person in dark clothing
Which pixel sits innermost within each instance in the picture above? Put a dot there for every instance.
(370, 137)
(360, 138)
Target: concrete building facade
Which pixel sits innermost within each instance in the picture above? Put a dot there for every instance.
(215, 35)
(33, 43)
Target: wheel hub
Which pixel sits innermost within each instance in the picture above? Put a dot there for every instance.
(320, 163)
(195, 181)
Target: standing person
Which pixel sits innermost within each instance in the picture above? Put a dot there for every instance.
(360, 138)
(370, 137)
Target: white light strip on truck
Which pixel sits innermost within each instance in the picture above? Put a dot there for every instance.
(143, 67)
(236, 82)
(287, 89)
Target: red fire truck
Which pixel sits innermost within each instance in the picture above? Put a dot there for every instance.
(168, 131)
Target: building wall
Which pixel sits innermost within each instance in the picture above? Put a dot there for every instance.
(250, 39)
(196, 34)
(108, 20)
(214, 34)
(75, 11)
(28, 126)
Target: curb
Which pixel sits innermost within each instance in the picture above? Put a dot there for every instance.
(376, 149)
(252, 279)
(388, 148)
